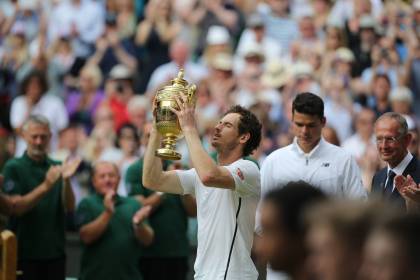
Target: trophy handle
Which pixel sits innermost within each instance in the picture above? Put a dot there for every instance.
(191, 89)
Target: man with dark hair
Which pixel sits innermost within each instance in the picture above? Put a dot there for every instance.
(392, 140)
(41, 193)
(227, 191)
(282, 243)
(310, 158)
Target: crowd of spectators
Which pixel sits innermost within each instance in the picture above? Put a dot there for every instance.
(92, 68)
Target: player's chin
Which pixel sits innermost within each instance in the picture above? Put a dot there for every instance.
(214, 143)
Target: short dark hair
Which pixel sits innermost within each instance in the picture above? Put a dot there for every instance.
(248, 123)
(127, 126)
(309, 104)
(35, 74)
(291, 201)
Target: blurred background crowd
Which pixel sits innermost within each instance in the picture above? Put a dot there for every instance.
(92, 68)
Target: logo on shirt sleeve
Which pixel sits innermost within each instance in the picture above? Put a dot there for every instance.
(325, 164)
(240, 174)
(9, 185)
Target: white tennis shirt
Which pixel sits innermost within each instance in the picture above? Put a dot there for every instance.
(326, 167)
(217, 209)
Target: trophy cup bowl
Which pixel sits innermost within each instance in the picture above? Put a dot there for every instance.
(167, 123)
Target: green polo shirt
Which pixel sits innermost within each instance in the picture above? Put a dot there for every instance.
(40, 231)
(115, 254)
(169, 220)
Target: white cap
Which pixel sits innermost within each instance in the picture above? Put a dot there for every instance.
(253, 49)
(401, 94)
(120, 72)
(302, 69)
(344, 54)
(217, 35)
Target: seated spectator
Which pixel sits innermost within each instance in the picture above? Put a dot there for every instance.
(82, 104)
(119, 89)
(379, 99)
(138, 110)
(111, 229)
(401, 99)
(124, 154)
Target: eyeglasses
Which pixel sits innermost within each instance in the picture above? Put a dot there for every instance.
(388, 139)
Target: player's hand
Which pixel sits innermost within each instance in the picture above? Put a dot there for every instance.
(185, 113)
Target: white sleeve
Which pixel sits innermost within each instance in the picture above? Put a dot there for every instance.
(352, 183)
(266, 176)
(247, 178)
(188, 179)
(18, 112)
(61, 118)
(267, 183)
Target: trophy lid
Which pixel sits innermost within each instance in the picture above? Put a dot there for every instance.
(179, 80)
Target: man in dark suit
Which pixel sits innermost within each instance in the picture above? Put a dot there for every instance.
(392, 140)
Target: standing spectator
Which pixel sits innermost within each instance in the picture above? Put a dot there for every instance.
(43, 193)
(207, 13)
(279, 15)
(34, 100)
(82, 21)
(126, 18)
(167, 257)
(111, 228)
(227, 192)
(392, 140)
(111, 50)
(154, 35)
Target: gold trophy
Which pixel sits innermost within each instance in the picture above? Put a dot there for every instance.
(167, 123)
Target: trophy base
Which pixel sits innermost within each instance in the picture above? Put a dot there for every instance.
(168, 154)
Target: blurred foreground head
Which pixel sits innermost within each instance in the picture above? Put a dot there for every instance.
(283, 231)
